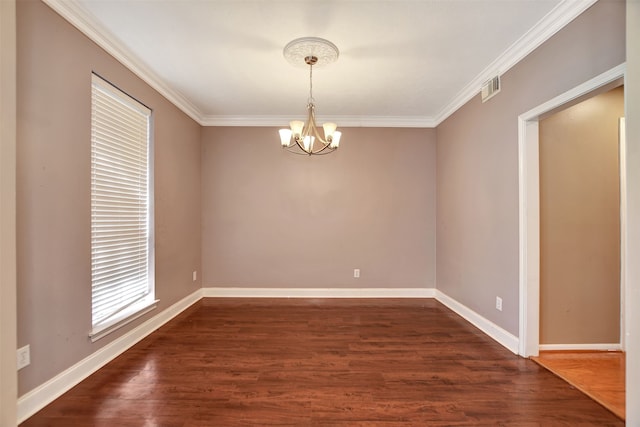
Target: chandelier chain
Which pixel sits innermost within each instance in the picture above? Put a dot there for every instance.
(310, 100)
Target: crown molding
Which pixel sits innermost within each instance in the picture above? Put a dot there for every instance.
(561, 15)
(387, 121)
(79, 18)
(342, 121)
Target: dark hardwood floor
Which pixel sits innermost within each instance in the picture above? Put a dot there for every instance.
(310, 362)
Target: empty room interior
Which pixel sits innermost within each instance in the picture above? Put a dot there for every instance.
(321, 213)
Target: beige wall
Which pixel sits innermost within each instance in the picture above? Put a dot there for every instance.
(8, 375)
(477, 163)
(275, 219)
(632, 266)
(55, 62)
(580, 222)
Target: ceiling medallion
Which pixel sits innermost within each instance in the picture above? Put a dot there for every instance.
(297, 50)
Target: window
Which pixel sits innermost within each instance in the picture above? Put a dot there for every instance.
(122, 285)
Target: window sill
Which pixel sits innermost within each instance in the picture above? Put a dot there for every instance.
(125, 318)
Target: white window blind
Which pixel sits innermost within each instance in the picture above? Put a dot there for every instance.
(122, 282)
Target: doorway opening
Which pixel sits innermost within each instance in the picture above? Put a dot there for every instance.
(529, 206)
(579, 180)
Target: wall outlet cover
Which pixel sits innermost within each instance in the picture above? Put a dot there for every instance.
(24, 356)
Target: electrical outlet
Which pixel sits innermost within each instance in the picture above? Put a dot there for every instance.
(498, 303)
(24, 357)
(194, 275)
(356, 273)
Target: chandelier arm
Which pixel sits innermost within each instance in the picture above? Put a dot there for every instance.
(326, 149)
(299, 144)
(323, 152)
(312, 126)
(318, 137)
(300, 152)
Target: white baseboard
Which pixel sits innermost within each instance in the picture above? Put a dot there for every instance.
(581, 347)
(38, 398)
(229, 292)
(494, 331)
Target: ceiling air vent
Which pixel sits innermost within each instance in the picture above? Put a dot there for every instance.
(490, 88)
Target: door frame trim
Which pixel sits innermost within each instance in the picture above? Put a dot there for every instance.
(622, 160)
(529, 208)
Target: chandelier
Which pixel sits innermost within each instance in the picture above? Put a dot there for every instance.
(304, 137)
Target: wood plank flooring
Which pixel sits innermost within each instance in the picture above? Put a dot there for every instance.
(599, 374)
(314, 362)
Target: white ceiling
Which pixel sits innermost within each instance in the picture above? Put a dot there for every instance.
(402, 62)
